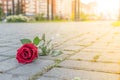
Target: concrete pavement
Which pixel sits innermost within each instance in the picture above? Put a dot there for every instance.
(91, 51)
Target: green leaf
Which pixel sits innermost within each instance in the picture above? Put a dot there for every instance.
(43, 50)
(43, 37)
(49, 42)
(24, 41)
(36, 40)
(76, 78)
(56, 53)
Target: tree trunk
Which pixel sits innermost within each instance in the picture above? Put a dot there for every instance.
(75, 10)
(22, 10)
(119, 11)
(7, 8)
(78, 9)
(48, 9)
(13, 7)
(52, 10)
(18, 7)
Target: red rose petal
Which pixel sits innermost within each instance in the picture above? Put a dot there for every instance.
(27, 53)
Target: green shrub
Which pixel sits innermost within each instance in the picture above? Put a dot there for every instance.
(76, 78)
(57, 18)
(17, 18)
(1, 14)
(40, 17)
(84, 16)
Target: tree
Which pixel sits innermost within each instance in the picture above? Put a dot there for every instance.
(9, 12)
(22, 10)
(77, 10)
(7, 8)
(1, 14)
(119, 11)
(52, 9)
(48, 9)
(13, 7)
(19, 7)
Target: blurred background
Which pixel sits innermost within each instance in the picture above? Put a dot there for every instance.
(61, 10)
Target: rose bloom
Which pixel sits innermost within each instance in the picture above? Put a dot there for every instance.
(27, 53)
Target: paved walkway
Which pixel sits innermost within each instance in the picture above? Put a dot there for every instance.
(91, 51)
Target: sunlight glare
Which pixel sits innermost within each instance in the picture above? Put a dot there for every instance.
(105, 7)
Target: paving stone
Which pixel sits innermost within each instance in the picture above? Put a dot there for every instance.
(69, 74)
(73, 48)
(102, 49)
(2, 58)
(73, 35)
(72, 42)
(88, 40)
(11, 45)
(91, 50)
(115, 45)
(5, 49)
(38, 66)
(94, 49)
(92, 66)
(60, 57)
(68, 52)
(12, 77)
(110, 57)
(98, 50)
(8, 65)
(66, 39)
(105, 50)
(48, 78)
(85, 56)
(99, 44)
(9, 53)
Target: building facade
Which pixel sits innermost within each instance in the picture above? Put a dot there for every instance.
(62, 8)
(29, 7)
(6, 5)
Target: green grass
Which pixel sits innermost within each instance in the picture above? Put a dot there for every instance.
(95, 58)
(116, 24)
(48, 21)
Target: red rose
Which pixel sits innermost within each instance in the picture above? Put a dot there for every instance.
(27, 53)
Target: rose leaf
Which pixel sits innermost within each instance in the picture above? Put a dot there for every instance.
(36, 40)
(24, 41)
(43, 37)
(56, 53)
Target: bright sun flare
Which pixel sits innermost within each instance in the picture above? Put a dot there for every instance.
(105, 6)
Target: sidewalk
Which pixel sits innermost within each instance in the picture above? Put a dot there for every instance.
(91, 52)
